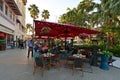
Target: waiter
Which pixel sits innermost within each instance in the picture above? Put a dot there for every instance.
(30, 47)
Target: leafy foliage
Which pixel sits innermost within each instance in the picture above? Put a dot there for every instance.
(115, 50)
(45, 14)
(2, 41)
(107, 53)
(29, 28)
(34, 11)
(79, 16)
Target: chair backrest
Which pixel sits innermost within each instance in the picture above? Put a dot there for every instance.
(36, 54)
(39, 61)
(78, 62)
(75, 50)
(70, 52)
(57, 55)
(52, 51)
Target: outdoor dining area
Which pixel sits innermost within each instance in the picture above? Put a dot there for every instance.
(65, 54)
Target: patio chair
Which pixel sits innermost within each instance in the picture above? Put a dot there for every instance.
(88, 61)
(88, 65)
(55, 60)
(39, 63)
(68, 54)
(78, 64)
(53, 50)
(94, 57)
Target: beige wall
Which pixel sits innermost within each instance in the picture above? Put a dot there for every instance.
(22, 9)
(21, 26)
(8, 24)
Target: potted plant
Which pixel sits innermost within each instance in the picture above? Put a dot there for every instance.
(105, 59)
(2, 44)
(107, 53)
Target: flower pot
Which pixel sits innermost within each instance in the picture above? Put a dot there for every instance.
(104, 62)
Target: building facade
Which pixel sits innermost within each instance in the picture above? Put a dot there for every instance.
(12, 21)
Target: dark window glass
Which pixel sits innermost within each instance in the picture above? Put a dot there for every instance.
(10, 15)
(1, 5)
(6, 10)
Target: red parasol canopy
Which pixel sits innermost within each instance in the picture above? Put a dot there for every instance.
(60, 30)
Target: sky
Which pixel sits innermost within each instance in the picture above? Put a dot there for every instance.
(55, 8)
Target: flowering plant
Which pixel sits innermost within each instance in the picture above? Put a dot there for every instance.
(107, 53)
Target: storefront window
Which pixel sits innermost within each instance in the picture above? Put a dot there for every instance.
(13, 17)
(6, 10)
(10, 14)
(1, 5)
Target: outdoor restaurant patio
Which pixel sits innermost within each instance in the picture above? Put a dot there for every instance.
(55, 30)
(49, 52)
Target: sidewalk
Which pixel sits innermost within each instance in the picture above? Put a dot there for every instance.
(14, 65)
(116, 63)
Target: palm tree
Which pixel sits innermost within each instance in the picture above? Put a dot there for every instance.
(34, 11)
(79, 16)
(45, 14)
(68, 17)
(108, 14)
(85, 9)
(63, 19)
(29, 28)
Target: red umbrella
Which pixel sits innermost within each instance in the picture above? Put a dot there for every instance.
(60, 30)
(56, 29)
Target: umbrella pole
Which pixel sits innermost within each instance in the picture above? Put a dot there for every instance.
(65, 43)
(49, 42)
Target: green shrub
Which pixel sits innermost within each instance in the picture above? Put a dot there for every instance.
(2, 41)
(115, 50)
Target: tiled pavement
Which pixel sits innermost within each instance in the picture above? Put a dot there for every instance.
(14, 65)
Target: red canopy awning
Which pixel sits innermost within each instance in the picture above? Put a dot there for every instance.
(60, 30)
(2, 35)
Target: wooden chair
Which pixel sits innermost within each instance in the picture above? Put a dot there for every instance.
(88, 61)
(55, 60)
(39, 63)
(78, 64)
(68, 59)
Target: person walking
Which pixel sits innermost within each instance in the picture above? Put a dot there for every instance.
(30, 47)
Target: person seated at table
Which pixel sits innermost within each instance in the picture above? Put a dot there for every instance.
(75, 50)
(36, 51)
(59, 47)
(52, 50)
(44, 48)
(36, 48)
